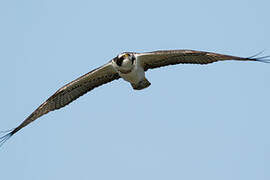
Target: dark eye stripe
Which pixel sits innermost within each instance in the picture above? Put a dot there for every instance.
(132, 59)
(121, 58)
(119, 61)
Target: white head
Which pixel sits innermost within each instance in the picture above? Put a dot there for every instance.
(124, 62)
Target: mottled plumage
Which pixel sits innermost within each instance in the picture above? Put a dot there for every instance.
(131, 67)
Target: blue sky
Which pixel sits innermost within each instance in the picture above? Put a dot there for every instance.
(194, 122)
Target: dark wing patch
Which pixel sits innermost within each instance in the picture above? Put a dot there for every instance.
(157, 59)
(72, 91)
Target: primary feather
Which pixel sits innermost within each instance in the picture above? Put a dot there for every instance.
(109, 72)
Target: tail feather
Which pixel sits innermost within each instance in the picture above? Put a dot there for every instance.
(141, 85)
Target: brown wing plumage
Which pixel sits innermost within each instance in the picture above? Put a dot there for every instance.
(157, 59)
(70, 92)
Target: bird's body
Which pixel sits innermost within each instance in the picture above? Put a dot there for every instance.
(131, 71)
(130, 66)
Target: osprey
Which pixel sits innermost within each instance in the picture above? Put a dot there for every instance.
(130, 66)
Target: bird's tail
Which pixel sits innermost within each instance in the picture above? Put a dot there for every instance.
(141, 85)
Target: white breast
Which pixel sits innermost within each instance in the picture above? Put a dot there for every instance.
(136, 75)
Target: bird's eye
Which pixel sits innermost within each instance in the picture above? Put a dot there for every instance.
(120, 60)
(132, 59)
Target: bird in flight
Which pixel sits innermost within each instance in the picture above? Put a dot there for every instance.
(131, 66)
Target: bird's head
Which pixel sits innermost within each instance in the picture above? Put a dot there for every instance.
(124, 62)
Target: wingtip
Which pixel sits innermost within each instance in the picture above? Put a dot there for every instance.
(263, 59)
(4, 138)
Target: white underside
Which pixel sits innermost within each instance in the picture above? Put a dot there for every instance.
(136, 75)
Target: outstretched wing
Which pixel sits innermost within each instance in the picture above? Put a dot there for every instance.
(69, 93)
(155, 59)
